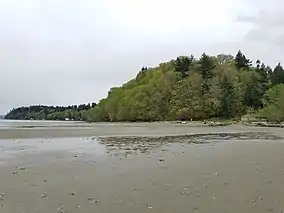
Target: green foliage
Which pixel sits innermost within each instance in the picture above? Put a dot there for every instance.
(228, 99)
(186, 98)
(273, 102)
(254, 89)
(39, 112)
(277, 76)
(241, 61)
(207, 66)
(185, 88)
(182, 65)
(225, 59)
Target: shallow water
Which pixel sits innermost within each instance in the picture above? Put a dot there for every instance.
(14, 124)
(196, 173)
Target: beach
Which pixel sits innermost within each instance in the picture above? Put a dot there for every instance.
(132, 167)
(80, 129)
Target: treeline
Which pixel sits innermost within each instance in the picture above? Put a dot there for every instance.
(222, 86)
(39, 112)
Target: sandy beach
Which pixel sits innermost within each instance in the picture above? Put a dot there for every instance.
(159, 168)
(121, 129)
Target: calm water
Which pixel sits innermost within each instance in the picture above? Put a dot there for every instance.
(8, 124)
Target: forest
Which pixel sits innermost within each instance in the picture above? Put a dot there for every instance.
(208, 87)
(39, 112)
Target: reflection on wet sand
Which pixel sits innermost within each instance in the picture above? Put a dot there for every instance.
(131, 144)
(220, 172)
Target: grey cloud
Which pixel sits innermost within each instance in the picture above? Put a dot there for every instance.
(264, 18)
(267, 24)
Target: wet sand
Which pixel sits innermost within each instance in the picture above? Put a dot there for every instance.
(123, 129)
(239, 170)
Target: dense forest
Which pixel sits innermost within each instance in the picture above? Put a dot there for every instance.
(222, 86)
(39, 112)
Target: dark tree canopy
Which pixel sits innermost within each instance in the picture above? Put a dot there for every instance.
(207, 66)
(228, 108)
(39, 112)
(241, 61)
(277, 75)
(182, 65)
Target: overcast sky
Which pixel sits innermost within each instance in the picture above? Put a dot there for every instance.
(60, 52)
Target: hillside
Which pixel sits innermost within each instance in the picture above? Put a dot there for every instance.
(188, 88)
(221, 86)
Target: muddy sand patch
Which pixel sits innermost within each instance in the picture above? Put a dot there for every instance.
(143, 144)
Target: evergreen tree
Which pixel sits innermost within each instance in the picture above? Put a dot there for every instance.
(277, 76)
(207, 66)
(258, 62)
(254, 91)
(241, 61)
(228, 98)
(182, 65)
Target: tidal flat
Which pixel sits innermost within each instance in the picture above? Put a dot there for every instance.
(142, 168)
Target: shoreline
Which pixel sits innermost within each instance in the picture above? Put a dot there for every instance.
(127, 129)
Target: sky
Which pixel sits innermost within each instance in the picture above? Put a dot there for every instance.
(61, 52)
